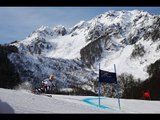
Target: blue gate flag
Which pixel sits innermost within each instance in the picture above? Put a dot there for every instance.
(107, 77)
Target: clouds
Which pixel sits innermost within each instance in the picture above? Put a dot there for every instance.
(18, 22)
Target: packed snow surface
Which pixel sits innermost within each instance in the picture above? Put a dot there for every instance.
(22, 101)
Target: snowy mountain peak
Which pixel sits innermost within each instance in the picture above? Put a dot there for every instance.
(117, 16)
(79, 24)
(58, 27)
(116, 13)
(60, 30)
(42, 28)
(110, 38)
(41, 32)
(76, 28)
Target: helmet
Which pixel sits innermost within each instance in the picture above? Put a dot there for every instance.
(51, 77)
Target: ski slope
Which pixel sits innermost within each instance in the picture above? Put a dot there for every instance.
(22, 101)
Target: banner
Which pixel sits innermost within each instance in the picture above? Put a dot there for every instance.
(107, 77)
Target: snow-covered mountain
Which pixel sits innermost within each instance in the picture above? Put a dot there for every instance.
(128, 39)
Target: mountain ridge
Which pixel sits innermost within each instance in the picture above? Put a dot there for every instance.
(129, 39)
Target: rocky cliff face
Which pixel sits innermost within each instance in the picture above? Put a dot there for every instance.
(129, 39)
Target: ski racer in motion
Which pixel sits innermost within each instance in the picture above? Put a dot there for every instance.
(47, 85)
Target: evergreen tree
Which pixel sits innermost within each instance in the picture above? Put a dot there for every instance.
(8, 76)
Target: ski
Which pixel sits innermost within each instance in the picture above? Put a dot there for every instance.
(36, 92)
(47, 95)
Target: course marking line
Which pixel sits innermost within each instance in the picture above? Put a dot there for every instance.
(88, 100)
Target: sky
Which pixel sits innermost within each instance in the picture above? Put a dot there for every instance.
(18, 22)
(23, 101)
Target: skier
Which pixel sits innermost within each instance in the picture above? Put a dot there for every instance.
(48, 84)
